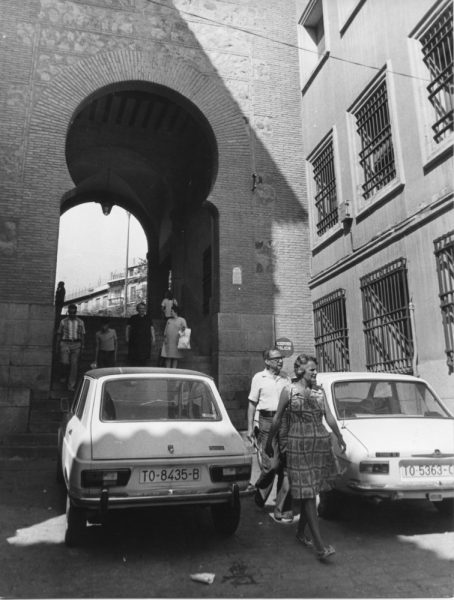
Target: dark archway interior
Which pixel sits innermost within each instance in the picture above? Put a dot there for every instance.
(146, 147)
(151, 151)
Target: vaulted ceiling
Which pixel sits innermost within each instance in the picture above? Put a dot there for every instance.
(149, 150)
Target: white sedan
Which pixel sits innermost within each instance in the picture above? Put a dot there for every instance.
(144, 437)
(399, 436)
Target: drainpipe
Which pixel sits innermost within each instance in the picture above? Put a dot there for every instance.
(411, 307)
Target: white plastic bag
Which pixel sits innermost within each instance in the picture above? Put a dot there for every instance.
(184, 342)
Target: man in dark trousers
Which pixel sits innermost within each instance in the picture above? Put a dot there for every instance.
(266, 387)
(70, 343)
(140, 336)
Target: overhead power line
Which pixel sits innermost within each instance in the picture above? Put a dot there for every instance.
(282, 42)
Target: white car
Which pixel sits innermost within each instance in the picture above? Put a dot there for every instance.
(399, 436)
(144, 437)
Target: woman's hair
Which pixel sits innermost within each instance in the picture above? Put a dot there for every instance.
(141, 304)
(176, 309)
(303, 359)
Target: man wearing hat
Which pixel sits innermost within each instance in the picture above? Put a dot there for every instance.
(266, 387)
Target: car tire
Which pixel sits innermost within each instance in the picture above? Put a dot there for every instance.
(226, 517)
(330, 505)
(75, 524)
(445, 507)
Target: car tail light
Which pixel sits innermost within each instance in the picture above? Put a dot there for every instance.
(230, 473)
(105, 478)
(374, 467)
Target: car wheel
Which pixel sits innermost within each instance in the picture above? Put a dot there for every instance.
(330, 504)
(75, 524)
(226, 517)
(445, 507)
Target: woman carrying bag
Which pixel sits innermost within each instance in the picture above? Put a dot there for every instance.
(175, 327)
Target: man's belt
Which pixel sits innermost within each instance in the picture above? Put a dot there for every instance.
(78, 340)
(267, 413)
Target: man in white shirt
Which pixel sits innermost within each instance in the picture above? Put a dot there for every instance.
(266, 387)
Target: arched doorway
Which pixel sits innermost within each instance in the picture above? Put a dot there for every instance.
(149, 150)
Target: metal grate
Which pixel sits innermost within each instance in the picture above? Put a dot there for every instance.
(377, 153)
(437, 49)
(386, 319)
(325, 181)
(444, 255)
(331, 333)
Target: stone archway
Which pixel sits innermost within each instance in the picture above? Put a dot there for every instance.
(76, 86)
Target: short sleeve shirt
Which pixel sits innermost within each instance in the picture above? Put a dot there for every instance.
(266, 389)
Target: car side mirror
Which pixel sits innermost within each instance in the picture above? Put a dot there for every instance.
(64, 405)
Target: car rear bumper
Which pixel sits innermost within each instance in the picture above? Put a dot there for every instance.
(429, 493)
(108, 501)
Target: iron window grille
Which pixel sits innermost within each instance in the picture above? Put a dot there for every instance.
(386, 319)
(437, 50)
(325, 187)
(331, 333)
(376, 156)
(444, 255)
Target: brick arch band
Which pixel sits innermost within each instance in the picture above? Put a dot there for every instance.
(60, 99)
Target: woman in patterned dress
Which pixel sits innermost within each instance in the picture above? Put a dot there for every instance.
(311, 462)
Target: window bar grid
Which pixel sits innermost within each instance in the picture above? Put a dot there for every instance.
(325, 181)
(331, 333)
(376, 155)
(437, 49)
(444, 254)
(387, 329)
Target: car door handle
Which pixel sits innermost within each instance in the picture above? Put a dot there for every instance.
(70, 431)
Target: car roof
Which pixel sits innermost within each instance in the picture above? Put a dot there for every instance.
(329, 377)
(110, 371)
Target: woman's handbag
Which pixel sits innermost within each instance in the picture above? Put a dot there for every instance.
(184, 342)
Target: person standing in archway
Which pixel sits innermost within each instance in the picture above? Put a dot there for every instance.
(140, 337)
(175, 324)
(70, 343)
(60, 294)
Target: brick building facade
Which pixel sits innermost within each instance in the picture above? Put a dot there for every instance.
(186, 114)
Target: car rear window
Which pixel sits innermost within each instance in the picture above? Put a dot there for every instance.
(158, 399)
(385, 398)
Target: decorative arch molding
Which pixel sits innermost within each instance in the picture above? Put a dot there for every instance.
(60, 100)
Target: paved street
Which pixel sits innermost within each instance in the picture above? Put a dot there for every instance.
(400, 550)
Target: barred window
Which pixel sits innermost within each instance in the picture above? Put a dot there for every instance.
(325, 186)
(386, 319)
(331, 333)
(444, 255)
(373, 124)
(437, 50)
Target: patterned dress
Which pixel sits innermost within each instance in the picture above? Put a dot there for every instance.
(311, 462)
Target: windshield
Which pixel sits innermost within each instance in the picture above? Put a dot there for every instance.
(385, 398)
(158, 399)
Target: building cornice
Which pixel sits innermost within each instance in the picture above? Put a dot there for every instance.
(443, 203)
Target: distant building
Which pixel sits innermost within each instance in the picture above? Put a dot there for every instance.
(108, 299)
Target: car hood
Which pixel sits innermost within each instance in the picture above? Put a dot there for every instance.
(408, 436)
(135, 440)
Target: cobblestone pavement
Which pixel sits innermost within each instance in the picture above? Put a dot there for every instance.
(400, 550)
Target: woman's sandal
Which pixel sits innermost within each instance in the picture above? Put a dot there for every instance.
(302, 539)
(325, 553)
